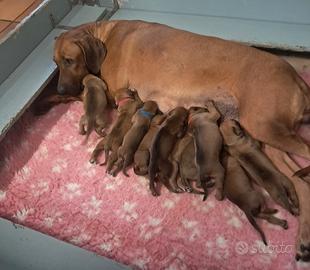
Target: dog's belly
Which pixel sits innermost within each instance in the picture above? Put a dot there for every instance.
(225, 102)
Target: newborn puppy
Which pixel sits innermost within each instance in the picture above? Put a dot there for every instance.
(163, 143)
(95, 103)
(240, 191)
(128, 102)
(140, 124)
(202, 124)
(142, 155)
(246, 150)
(183, 161)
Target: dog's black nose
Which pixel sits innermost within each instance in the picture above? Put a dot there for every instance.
(61, 89)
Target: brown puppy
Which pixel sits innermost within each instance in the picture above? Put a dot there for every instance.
(208, 144)
(142, 155)
(171, 129)
(140, 124)
(183, 159)
(128, 102)
(240, 191)
(95, 104)
(272, 98)
(248, 153)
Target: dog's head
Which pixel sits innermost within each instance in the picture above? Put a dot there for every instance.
(176, 121)
(77, 53)
(232, 132)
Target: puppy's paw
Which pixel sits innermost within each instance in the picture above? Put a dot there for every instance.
(82, 131)
(93, 161)
(284, 225)
(188, 189)
(155, 194)
(219, 195)
(303, 242)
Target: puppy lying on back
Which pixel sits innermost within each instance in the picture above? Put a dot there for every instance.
(202, 124)
(95, 101)
(163, 143)
(239, 190)
(183, 159)
(140, 124)
(247, 151)
(128, 102)
(142, 155)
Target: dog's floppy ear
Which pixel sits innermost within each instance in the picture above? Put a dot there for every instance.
(237, 129)
(94, 51)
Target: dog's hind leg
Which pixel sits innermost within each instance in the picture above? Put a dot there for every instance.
(269, 211)
(126, 163)
(279, 135)
(82, 124)
(98, 149)
(173, 177)
(273, 220)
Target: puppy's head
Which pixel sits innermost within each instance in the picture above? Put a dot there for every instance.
(232, 132)
(176, 122)
(123, 94)
(196, 110)
(150, 106)
(94, 81)
(158, 119)
(77, 53)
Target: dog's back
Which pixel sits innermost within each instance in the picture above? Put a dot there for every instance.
(95, 103)
(142, 155)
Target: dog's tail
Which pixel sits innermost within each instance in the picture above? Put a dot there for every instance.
(154, 154)
(256, 227)
(153, 165)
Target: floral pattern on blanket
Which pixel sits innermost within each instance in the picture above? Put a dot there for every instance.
(48, 184)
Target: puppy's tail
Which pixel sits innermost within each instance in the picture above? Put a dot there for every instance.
(256, 227)
(154, 157)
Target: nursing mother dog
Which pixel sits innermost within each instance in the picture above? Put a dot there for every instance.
(179, 68)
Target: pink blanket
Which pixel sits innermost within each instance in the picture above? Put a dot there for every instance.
(47, 184)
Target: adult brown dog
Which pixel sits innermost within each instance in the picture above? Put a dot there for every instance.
(247, 151)
(181, 68)
(239, 190)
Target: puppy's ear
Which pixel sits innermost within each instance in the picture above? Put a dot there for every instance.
(94, 52)
(237, 129)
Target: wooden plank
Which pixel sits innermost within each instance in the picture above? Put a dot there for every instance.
(15, 48)
(11, 9)
(25, 249)
(288, 36)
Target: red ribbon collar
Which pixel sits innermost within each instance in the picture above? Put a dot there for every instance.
(123, 101)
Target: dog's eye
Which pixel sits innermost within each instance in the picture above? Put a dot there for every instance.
(68, 61)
